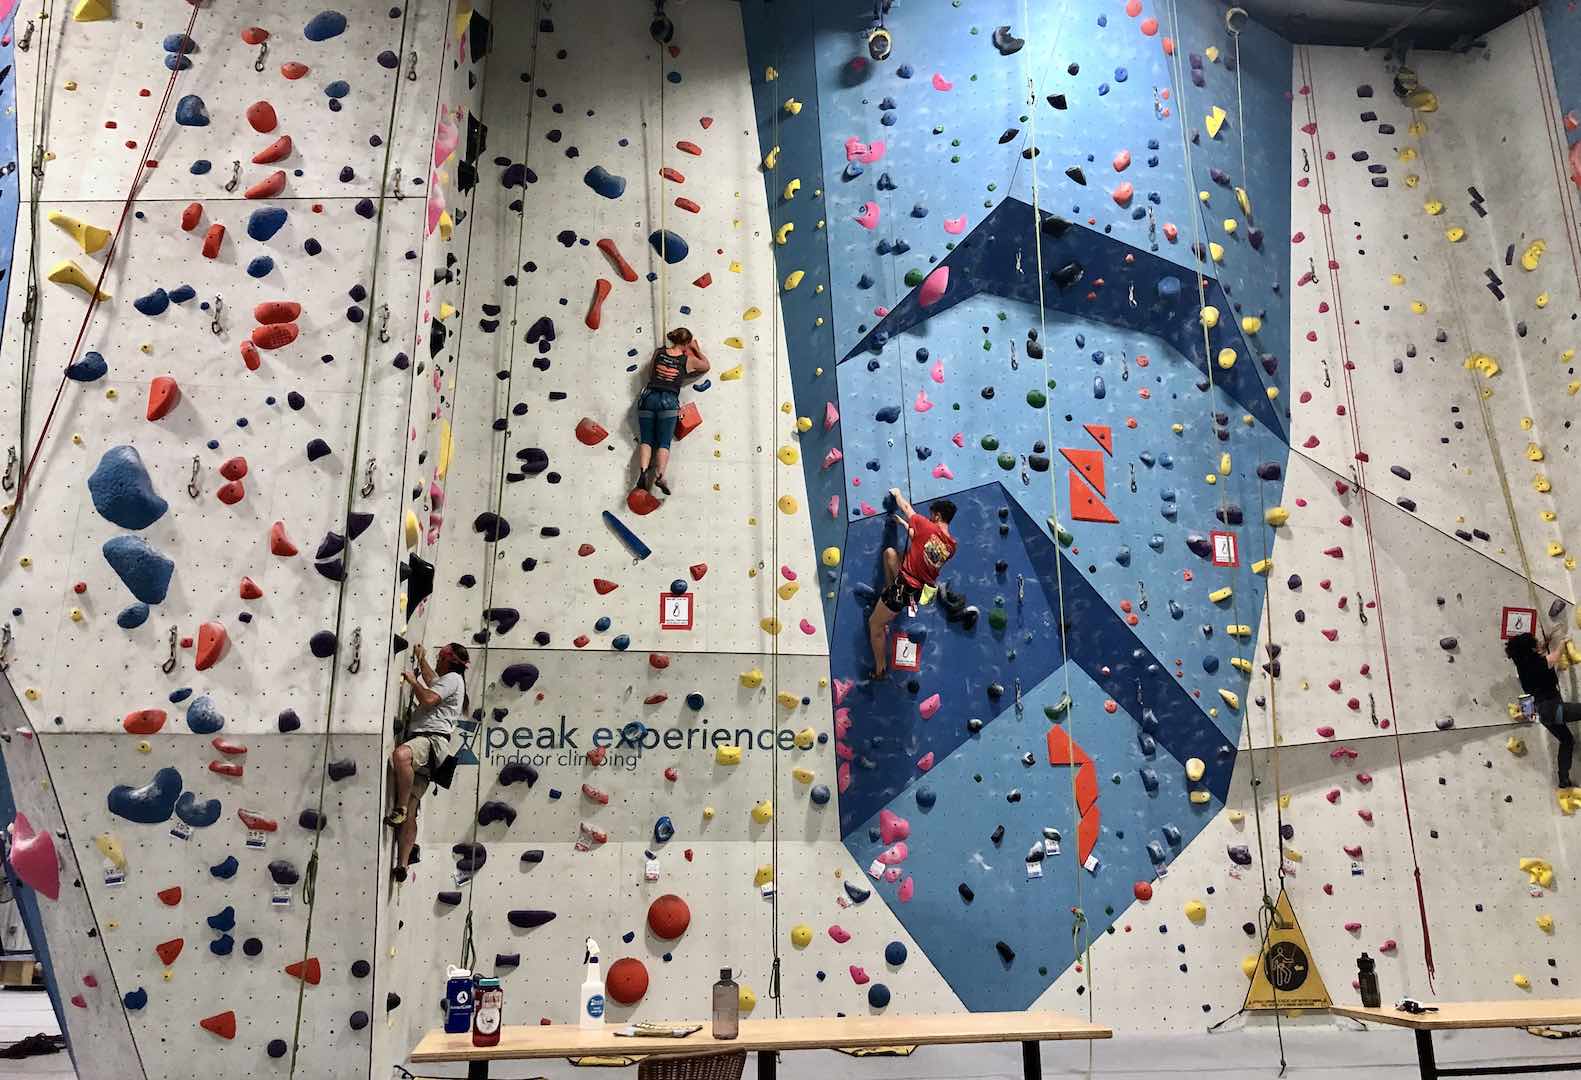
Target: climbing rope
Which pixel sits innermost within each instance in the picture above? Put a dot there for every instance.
(775, 515)
(310, 873)
(1340, 321)
(1558, 153)
(502, 400)
(661, 324)
(104, 269)
(1081, 936)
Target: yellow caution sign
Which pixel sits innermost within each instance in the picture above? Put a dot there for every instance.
(1286, 976)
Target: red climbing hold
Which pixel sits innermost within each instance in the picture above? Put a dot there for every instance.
(595, 310)
(688, 205)
(305, 969)
(250, 356)
(255, 35)
(212, 639)
(169, 950)
(1122, 193)
(212, 240)
(225, 746)
(642, 503)
(704, 281)
(234, 468)
(268, 187)
(658, 661)
(222, 1024)
(612, 253)
(1142, 890)
(249, 589)
(706, 122)
(231, 493)
(690, 419)
(278, 150)
(144, 721)
(191, 216)
(293, 69)
(1063, 751)
(275, 335)
(590, 432)
(225, 768)
(270, 312)
(257, 822)
(584, 550)
(687, 147)
(170, 897)
(668, 917)
(697, 570)
(279, 543)
(627, 981)
(604, 588)
(261, 115)
(163, 395)
(672, 176)
(1090, 464)
(656, 699)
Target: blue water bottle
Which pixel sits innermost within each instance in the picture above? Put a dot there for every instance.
(458, 1000)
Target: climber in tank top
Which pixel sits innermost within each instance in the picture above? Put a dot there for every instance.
(659, 405)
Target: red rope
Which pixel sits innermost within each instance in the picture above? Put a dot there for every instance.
(1366, 511)
(109, 258)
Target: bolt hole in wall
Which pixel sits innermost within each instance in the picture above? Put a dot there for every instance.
(1246, 367)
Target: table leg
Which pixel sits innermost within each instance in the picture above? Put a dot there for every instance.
(477, 1070)
(1032, 1060)
(768, 1064)
(1424, 1054)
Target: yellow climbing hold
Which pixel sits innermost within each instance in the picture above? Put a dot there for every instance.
(1237, 816)
(1422, 101)
(1538, 871)
(1522, 981)
(791, 188)
(1433, 207)
(1418, 308)
(69, 273)
(831, 556)
(1249, 965)
(1483, 363)
(1238, 630)
(805, 738)
(1195, 767)
(1231, 698)
(752, 313)
(447, 225)
(89, 237)
(1411, 180)
(788, 455)
(735, 342)
(708, 813)
(91, 11)
(1224, 464)
(732, 374)
(792, 106)
(1218, 596)
(1215, 251)
(801, 935)
(1226, 358)
(1533, 255)
(1251, 324)
(771, 158)
(1276, 516)
(111, 849)
(1455, 235)
(1210, 316)
(1244, 201)
(1534, 452)
(763, 875)
(1542, 300)
(769, 74)
(1569, 799)
(1215, 121)
(793, 279)
(1408, 154)
(787, 699)
(1262, 566)
(747, 999)
(771, 625)
(804, 423)
(763, 812)
(1204, 197)
(1230, 225)
(1545, 923)
(789, 589)
(751, 680)
(1396, 279)
(1241, 664)
(1196, 911)
(727, 755)
(1515, 744)
(1541, 484)
(802, 775)
(788, 504)
(782, 234)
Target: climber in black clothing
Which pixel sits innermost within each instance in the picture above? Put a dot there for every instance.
(659, 405)
(1540, 680)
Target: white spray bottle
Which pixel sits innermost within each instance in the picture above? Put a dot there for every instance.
(592, 1010)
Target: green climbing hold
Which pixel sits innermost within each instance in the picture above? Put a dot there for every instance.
(1061, 533)
(1058, 709)
(1037, 398)
(990, 443)
(1007, 461)
(998, 617)
(913, 278)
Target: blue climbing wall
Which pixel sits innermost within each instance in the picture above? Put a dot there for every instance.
(1095, 398)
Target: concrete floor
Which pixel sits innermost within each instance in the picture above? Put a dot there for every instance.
(24, 1013)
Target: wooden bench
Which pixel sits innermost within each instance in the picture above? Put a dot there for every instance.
(1462, 1015)
(767, 1038)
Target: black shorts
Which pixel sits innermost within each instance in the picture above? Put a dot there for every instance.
(900, 594)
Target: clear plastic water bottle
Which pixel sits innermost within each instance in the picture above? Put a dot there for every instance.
(727, 1007)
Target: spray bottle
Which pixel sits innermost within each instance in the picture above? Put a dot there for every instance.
(591, 1013)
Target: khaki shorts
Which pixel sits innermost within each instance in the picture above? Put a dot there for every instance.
(428, 753)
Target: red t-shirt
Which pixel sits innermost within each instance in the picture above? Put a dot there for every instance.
(931, 547)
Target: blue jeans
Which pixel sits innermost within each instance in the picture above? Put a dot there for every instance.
(657, 411)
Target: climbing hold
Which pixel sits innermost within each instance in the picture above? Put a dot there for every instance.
(933, 286)
(325, 25)
(668, 917)
(90, 238)
(192, 112)
(150, 804)
(1196, 911)
(163, 395)
(212, 639)
(33, 858)
(122, 490)
(627, 980)
(67, 272)
(527, 919)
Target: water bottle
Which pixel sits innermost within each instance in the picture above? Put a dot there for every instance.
(458, 1000)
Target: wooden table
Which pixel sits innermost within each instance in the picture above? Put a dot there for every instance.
(1462, 1015)
(768, 1038)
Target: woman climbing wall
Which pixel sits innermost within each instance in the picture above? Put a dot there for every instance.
(1540, 681)
(659, 405)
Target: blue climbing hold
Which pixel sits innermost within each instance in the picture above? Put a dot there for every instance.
(694, 701)
(337, 89)
(678, 586)
(265, 221)
(522, 676)
(153, 304)
(199, 813)
(1168, 287)
(135, 999)
(224, 922)
(668, 246)
(325, 25)
(191, 112)
(857, 893)
(322, 644)
(227, 869)
(819, 794)
(663, 830)
(200, 167)
(90, 368)
(605, 182)
(621, 642)
(888, 414)
(895, 953)
(260, 266)
(926, 797)
(141, 569)
(203, 717)
(150, 804)
(601, 624)
(222, 945)
(878, 995)
(182, 293)
(132, 616)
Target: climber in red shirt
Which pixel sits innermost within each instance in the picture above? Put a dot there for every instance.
(930, 546)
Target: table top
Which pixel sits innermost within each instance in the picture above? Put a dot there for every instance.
(522, 1042)
(1524, 1012)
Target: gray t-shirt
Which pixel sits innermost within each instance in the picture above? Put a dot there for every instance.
(440, 717)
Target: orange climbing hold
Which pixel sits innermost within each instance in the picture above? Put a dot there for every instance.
(275, 335)
(1062, 751)
(257, 822)
(169, 950)
(163, 395)
(261, 115)
(144, 721)
(268, 187)
(611, 252)
(1085, 506)
(307, 970)
(690, 420)
(212, 240)
(279, 543)
(249, 589)
(222, 1024)
(250, 356)
(687, 147)
(595, 310)
(672, 175)
(1090, 464)
(687, 204)
(603, 587)
(170, 897)
(255, 35)
(1101, 432)
(191, 216)
(293, 70)
(278, 150)
(590, 432)
(1123, 193)
(276, 311)
(212, 639)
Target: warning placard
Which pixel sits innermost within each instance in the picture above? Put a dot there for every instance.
(1286, 976)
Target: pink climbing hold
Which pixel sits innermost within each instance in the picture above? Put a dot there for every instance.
(33, 857)
(839, 934)
(1353, 850)
(941, 471)
(1333, 795)
(1325, 732)
(1122, 161)
(955, 226)
(942, 84)
(907, 890)
(1171, 233)
(892, 827)
(1353, 927)
(921, 403)
(831, 415)
(212, 639)
(163, 395)
(866, 153)
(833, 457)
(933, 286)
(936, 373)
(1122, 194)
(858, 975)
(868, 218)
(833, 506)
(842, 687)
(929, 706)
(925, 762)
(807, 628)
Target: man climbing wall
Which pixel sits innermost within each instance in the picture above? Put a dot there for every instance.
(929, 546)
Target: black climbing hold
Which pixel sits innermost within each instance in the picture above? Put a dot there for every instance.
(450, 898)
(494, 810)
(1075, 173)
(1006, 953)
(966, 892)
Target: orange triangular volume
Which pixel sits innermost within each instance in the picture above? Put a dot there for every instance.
(222, 1024)
(1085, 506)
(1102, 433)
(1090, 464)
(305, 969)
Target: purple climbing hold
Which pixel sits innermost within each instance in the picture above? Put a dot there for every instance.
(317, 448)
(494, 810)
(493, 527)
(469, 857)
(288, 721)
(521, 676)
(518, 772)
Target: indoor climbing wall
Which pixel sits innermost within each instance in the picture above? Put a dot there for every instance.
(236, 411)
